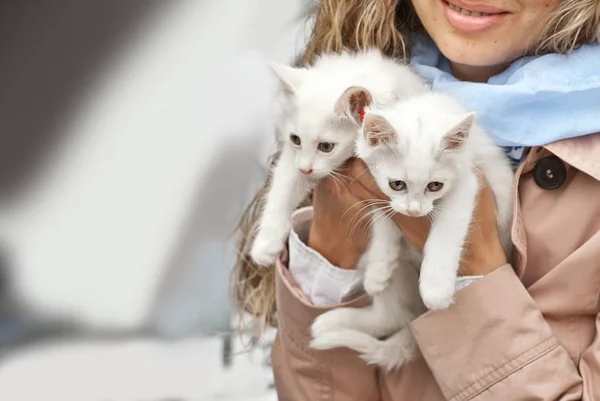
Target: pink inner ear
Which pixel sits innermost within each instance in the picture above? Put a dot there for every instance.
(455, 140)
(376, 132)
(359, 99)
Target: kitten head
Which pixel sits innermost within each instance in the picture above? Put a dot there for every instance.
(314, 126)
(415, 154)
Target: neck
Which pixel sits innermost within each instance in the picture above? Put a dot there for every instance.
(475, 73)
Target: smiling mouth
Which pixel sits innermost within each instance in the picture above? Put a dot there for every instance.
(478, 18)
(470, 13)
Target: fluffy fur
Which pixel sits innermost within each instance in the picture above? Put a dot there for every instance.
(317, 134)
(423, 153)
(432, 145)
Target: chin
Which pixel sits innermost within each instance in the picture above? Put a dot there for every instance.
(477, 53)
(318, 175)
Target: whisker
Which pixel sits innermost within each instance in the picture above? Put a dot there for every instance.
(358, 213)
(369, 226)
(338, 174)
(379, 208)
(474, 221)
(430, 217)
(372, 181)
(357, 223)
(390, 212)
(365, 228)
(376, 218)
(335, 181)
(355, 178)
(371, 202)
(434, 216)
(354, 226)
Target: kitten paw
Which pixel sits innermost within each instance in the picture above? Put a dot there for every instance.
(326, 341)
(330, 321)
(437, 294)
(264, 252)
(375, 281)
(437, 282)
(389, 359)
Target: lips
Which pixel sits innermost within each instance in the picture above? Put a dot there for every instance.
(468, 12)
(464, 7)
(472, 18)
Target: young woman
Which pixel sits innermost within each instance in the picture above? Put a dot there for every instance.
(522, 329)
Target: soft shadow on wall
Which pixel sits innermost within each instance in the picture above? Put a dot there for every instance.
(51, 55)
(51, 52)
(55, 54)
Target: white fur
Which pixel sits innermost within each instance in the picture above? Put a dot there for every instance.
(391, 353)
(307, 108)
(394, 275)
(418, 156)
(415, 153)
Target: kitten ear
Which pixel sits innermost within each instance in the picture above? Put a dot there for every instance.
(458, 134)
(289, 77)
(353, 102)
(377, 129)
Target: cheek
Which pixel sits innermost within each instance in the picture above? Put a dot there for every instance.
(426, 206)
(322, 164)
(327, 163)
(343, 151)
(398, 203)
(430, 201)
(297, 156)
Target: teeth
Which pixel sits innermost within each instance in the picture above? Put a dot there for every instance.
(467, 12)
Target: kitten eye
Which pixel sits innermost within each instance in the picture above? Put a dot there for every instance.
(397, 185)
(434, 186)
(326, 147)
(295, 139)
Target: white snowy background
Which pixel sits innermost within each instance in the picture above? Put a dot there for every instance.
(128, 225)
(140, 370)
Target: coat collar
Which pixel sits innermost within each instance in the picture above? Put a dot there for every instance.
(583, 153)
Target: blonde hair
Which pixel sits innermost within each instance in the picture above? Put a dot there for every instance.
(573, 23)
(387, 25)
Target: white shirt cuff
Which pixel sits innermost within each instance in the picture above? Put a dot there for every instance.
(465, 281)
(321, 282)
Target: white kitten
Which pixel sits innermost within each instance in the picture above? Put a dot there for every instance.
(317, 136)
(422, 153)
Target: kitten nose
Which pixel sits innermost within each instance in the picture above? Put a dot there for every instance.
(305, 171)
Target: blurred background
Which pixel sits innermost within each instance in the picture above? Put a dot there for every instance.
(133, 133)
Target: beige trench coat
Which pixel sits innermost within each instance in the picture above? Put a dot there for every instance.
(528, 331)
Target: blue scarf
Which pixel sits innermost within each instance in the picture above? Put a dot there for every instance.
(536, 101)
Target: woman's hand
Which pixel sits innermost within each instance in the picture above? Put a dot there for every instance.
(339, 229)
(340, 225)
(483, 250)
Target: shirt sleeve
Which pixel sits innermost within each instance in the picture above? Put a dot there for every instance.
(322, 283)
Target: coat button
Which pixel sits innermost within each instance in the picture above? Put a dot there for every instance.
(549, 173)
